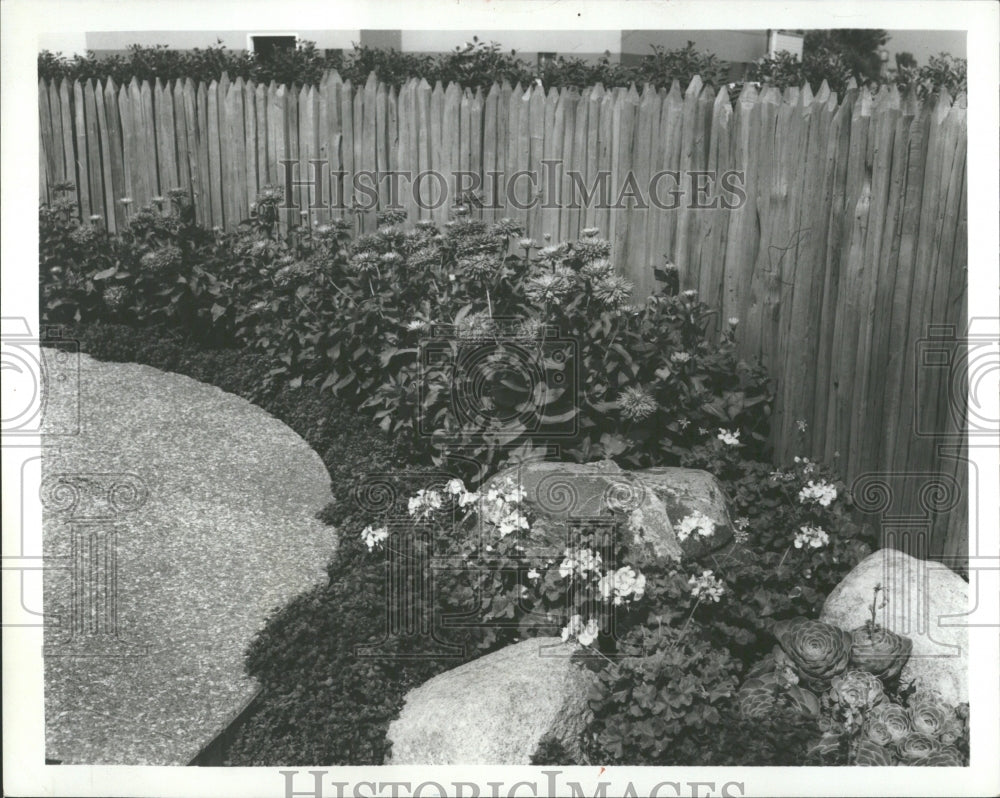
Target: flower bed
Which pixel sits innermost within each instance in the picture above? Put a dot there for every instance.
(472, 348)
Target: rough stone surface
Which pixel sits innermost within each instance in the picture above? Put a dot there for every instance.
(657, 499)
(494, 710)
(215, 527)
(927, 602)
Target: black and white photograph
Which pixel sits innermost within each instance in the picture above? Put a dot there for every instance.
(569, 399)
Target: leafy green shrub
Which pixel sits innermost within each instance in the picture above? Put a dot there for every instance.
(477, 65)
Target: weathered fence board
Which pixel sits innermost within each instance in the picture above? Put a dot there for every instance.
(830, 230)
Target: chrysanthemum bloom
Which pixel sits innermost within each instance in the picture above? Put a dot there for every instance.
(480, 267)
(549, 287)
(506, 228)
(636, 404)
(161, 261)
(592, 249)
(613, 291)
(597, 269)
(526, 243)
(476, 327)
(530, 329)
(114, 297)
(590, 232)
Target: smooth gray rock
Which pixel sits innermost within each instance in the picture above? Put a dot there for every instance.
(495, 709)
(656, 500)
(927, 602)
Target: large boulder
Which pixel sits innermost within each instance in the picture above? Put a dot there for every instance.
(495, 709)
(927, 602)
(656, 500)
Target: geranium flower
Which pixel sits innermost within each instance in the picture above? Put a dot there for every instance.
(821, 492)
(812, 536)
(697, 523)
(373, 538)
(622, 585)
(706, 586)
(585, 633)
(729, 438)
(424, 504)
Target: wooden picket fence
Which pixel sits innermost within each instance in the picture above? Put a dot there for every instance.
(851, 243)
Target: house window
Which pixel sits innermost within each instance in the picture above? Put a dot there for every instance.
(544, 59)
(264, 46)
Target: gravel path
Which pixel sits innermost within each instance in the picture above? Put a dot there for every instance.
(212, 527)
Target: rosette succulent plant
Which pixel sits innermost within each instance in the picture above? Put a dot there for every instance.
(772, 685)
(888, 723)
(945, 758)
(871, 754)
(856, 690)
(880, 652)
(819, 651)
(930, 714)
(916, 745)
(877, 650)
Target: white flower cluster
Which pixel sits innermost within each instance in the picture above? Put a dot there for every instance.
(813, 536)
(740, 534)
(624, 585)
(374, 537)
(821, 492)
(585, 633)
(807, 465)
(424, 503)
(680, 357)
(696, 524)
(501, 506)
(707, 586)
(729, 438)
(583, 562)
(456, 489)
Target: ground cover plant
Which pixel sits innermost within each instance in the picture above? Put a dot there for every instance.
(425, 358)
